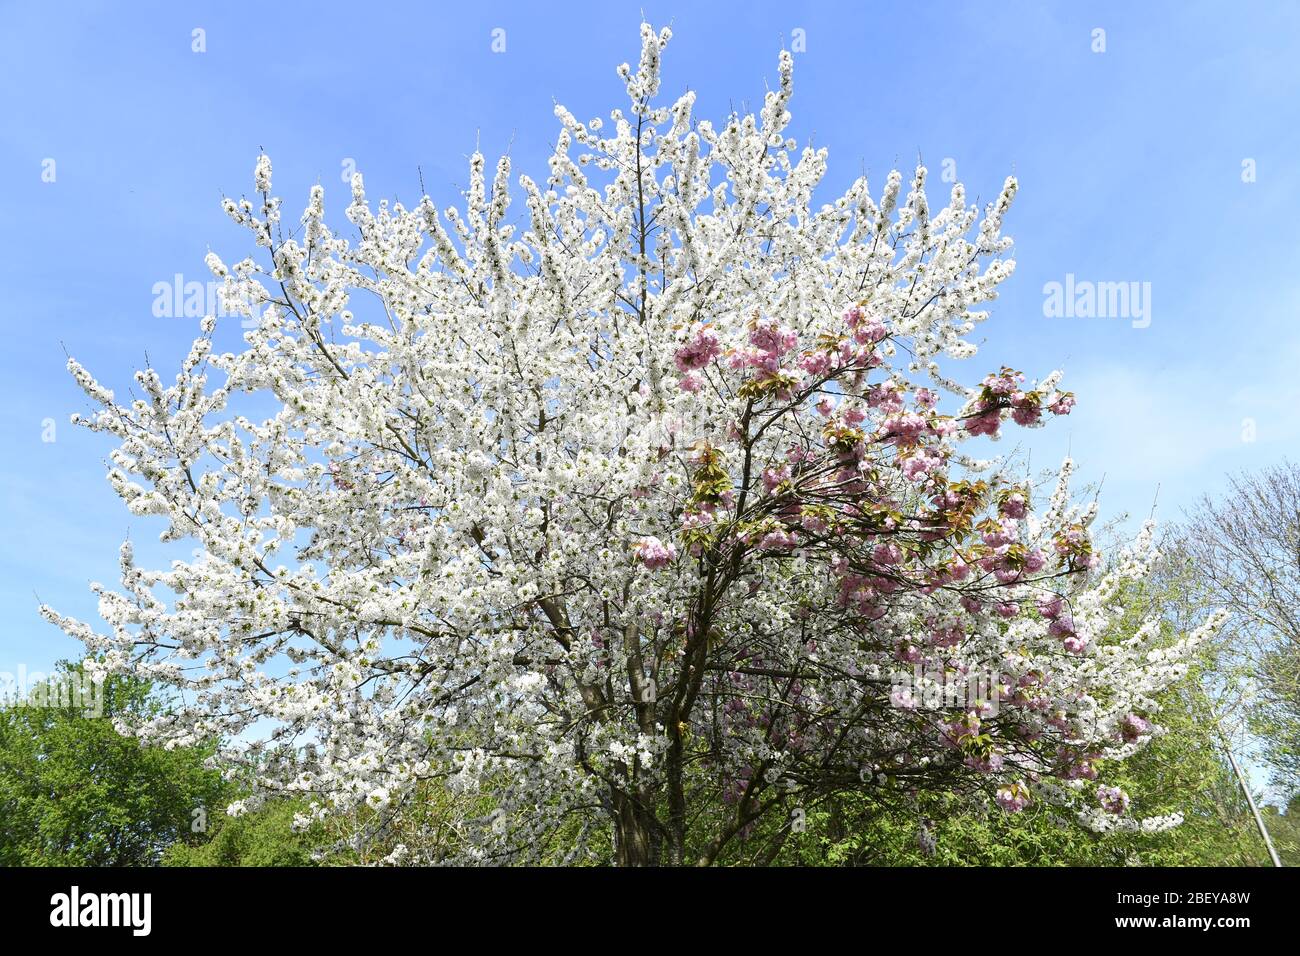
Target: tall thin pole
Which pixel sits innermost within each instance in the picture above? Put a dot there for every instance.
(1245, 788)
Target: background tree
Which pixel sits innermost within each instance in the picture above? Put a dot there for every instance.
(74, 792)
(1284, 827)
(1245, 546)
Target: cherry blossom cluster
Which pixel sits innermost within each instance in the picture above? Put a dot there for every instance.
(625, 511)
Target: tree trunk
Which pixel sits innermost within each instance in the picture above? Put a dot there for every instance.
(636, 833)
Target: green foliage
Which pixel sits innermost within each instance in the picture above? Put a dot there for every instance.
(1284, 829)
(1275, 719)
(264, 837)
(73, 792)
(425, 824)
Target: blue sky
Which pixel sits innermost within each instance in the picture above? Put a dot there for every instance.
(1130, 163)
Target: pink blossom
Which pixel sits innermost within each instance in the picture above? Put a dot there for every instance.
(778, 541)
(738, 359)
(907, 426)
(949, 636)
(814, 524)
(1062, 405)
(1112, 799)
(1014, 798)
(985, 423)
(694, 520)
(1005, 533)
(654, 554)
(699, 351)
(1003, 383)
(869, 333)
(990, 764)
(921, 464)
(866, 330)
(1026, 414)
(887, 554)
(1132, 727)
(773, 338)
(902, 699)
(1014, 505)
(816, 363)
(1071, 539)
(1062, 626)
(886, 396)
(968, 725)
(1083, 769)
(774, 476)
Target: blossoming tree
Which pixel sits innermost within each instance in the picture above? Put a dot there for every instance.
(636, 512)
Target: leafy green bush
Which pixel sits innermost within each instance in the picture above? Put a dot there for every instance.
(73, 792)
